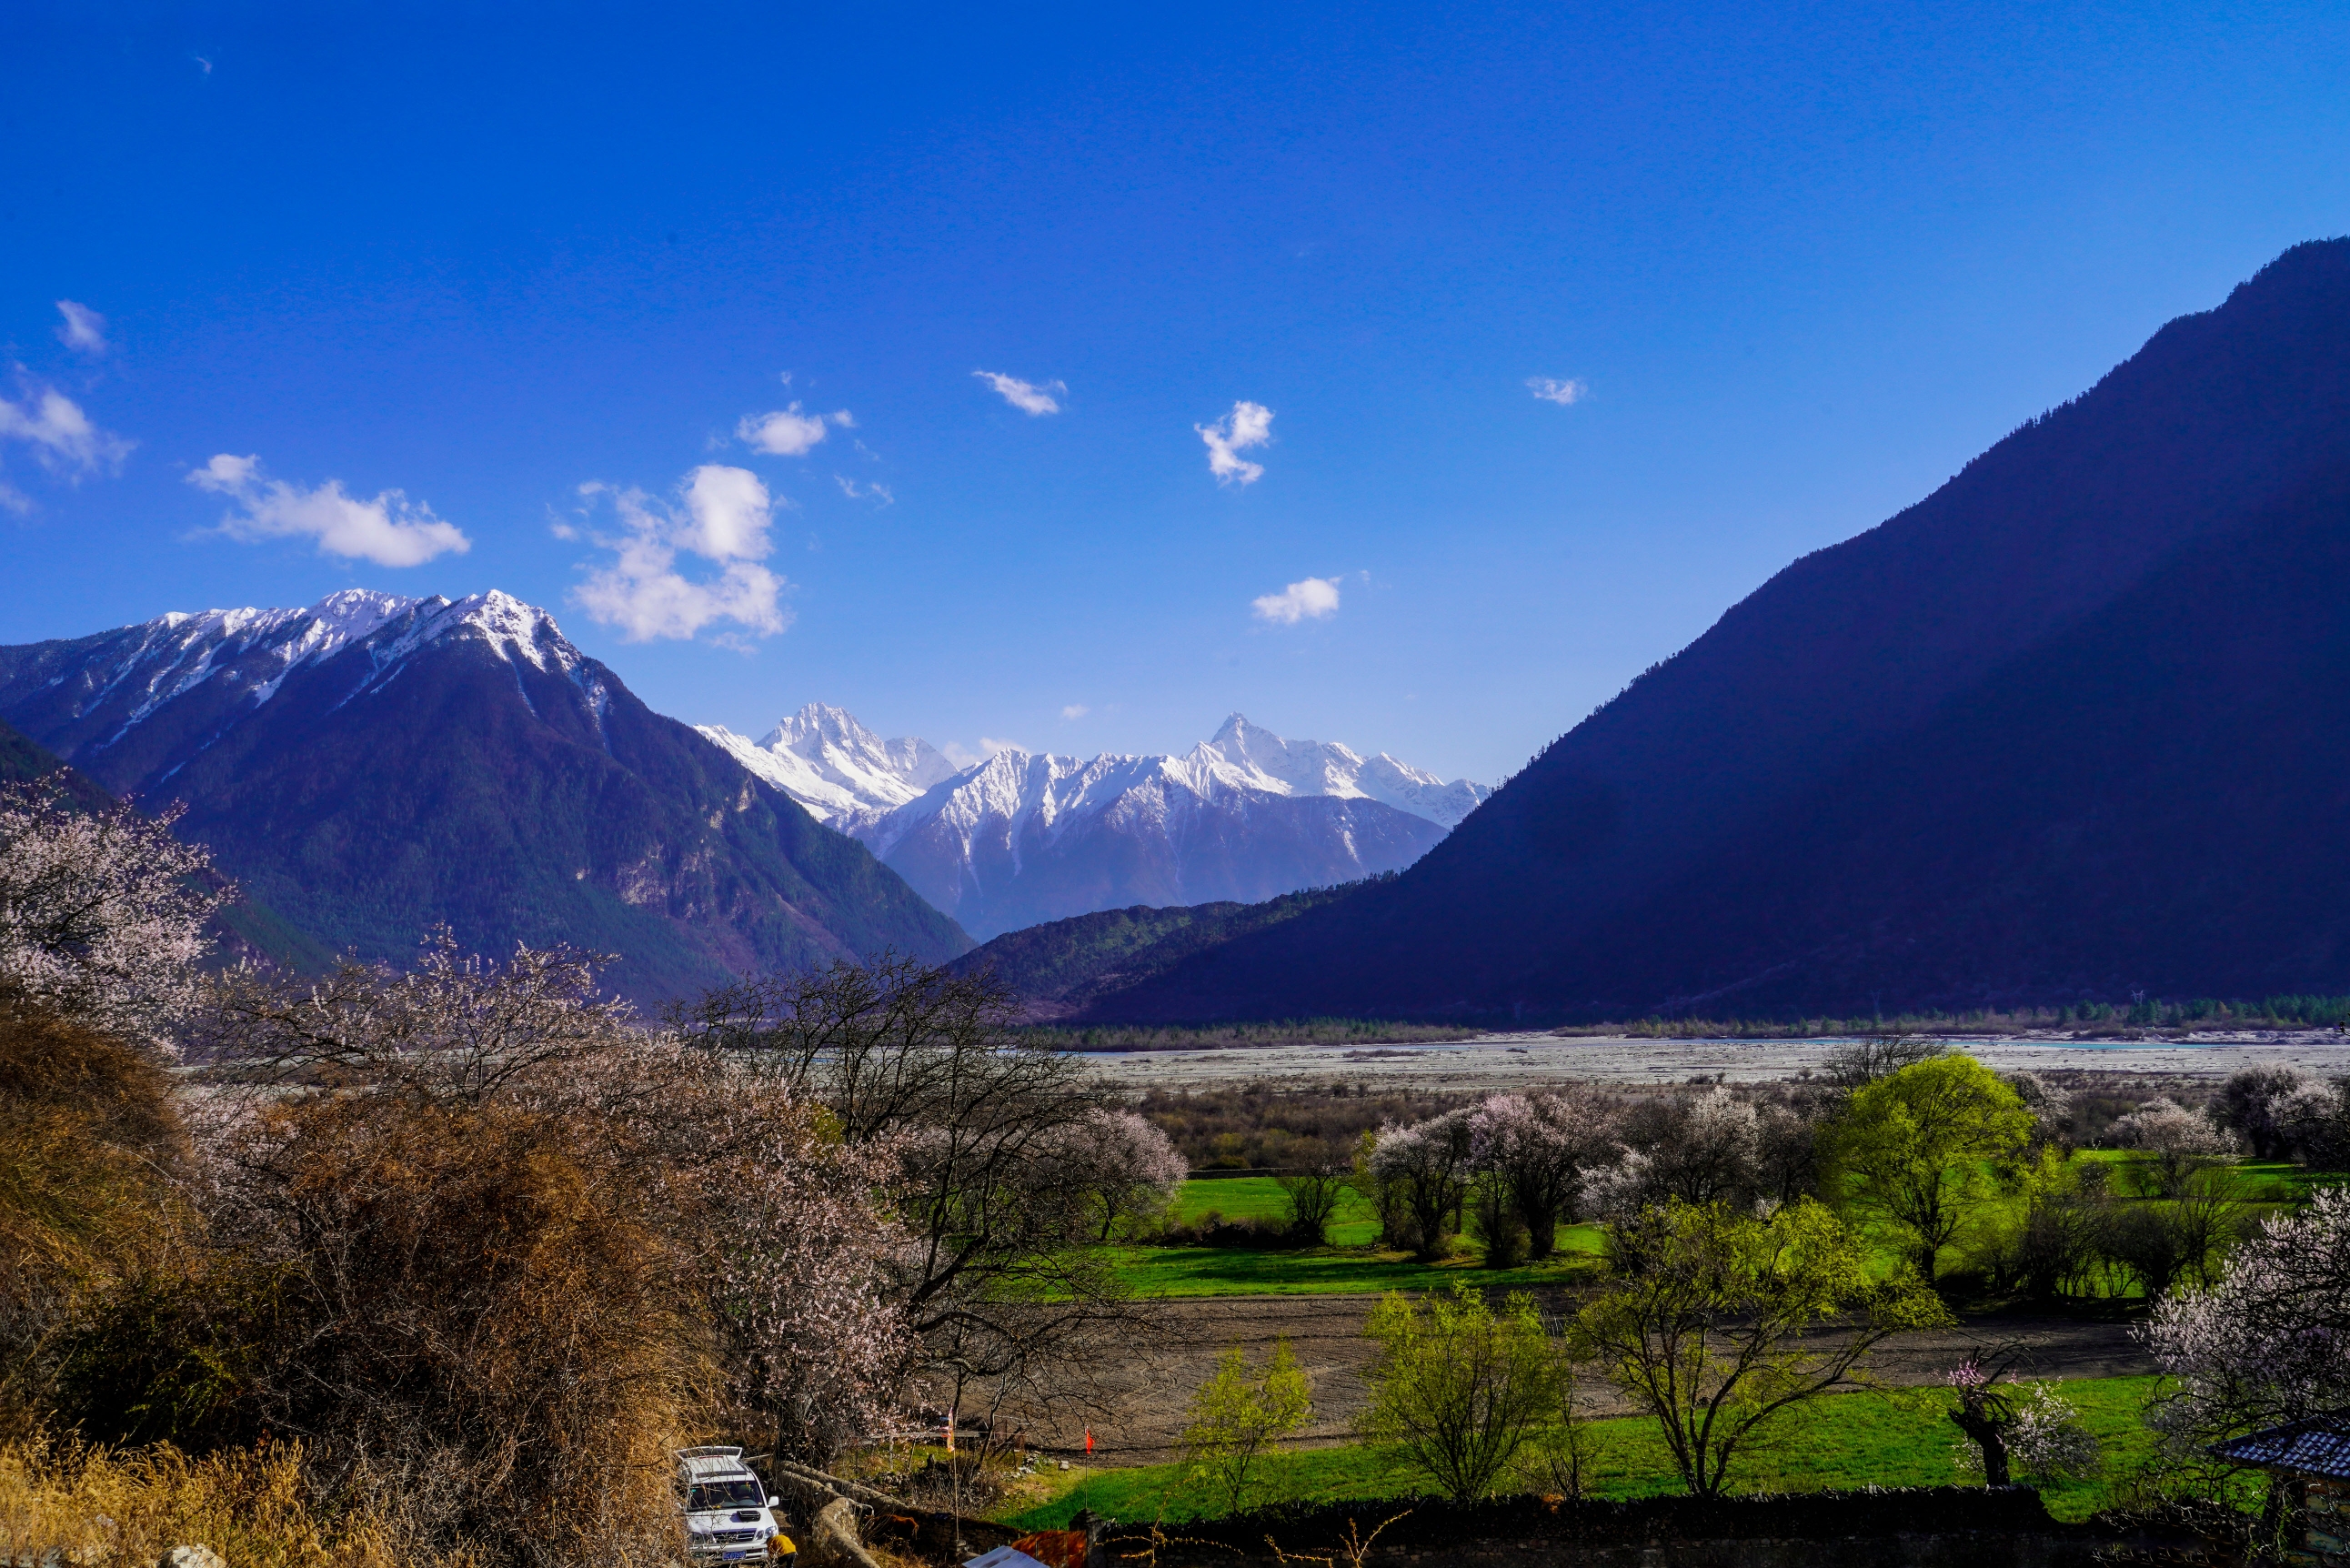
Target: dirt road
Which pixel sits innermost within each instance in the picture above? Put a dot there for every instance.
(1146, 1408)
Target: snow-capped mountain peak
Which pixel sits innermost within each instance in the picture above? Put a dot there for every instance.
(1253, 758)
(240, 658)
(1026, 835)
(823, 758)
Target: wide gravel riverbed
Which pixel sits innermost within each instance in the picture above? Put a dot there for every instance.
(1494, 1062)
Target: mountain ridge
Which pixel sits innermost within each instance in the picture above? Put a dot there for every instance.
(1023, 836)
(1571, 890)
(376, 765)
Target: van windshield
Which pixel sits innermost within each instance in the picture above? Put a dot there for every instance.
(706, 1495)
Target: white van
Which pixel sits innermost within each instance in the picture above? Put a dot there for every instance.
(728, 1514)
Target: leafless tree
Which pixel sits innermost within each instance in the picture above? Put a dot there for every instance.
(994, 1168)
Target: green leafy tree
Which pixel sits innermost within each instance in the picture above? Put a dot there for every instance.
(1909, 1148)
(1704, 1323)
(1235, 1416)
(1461, 1387)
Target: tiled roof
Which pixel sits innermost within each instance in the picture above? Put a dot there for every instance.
(2319, 1446)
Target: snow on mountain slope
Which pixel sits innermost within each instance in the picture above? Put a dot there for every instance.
(823, 758)
(1256, 758)
(1027, 836)
(225, 664)
(374, 766)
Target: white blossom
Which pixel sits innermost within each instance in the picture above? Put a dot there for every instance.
(102, 913)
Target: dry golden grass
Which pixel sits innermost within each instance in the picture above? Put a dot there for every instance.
(125, 1510)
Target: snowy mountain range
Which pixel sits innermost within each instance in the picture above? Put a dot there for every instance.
(835, 766)
(374, 765)
(1023, 837)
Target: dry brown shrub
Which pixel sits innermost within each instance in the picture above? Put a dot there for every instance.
(478, 1327)
(89, 1136)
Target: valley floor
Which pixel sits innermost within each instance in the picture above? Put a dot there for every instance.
(1144, 1411)
(1492, 1063)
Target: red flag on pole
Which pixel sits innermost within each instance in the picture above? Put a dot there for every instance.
(1089, 1440)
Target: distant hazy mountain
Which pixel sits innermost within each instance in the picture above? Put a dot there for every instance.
(1025, 836)
(830, 763)
(373, 766)
(2069, 728)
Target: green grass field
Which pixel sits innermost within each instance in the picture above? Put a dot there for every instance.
(1354, 1262)
(1899, 1438)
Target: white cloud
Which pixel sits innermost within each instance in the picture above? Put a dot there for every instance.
(787, 433)
(1315, 598)
(1028, 397)
(856, 491)
(1249, 424)
(59, 433)
(84, 330)
(1562, 393)
(1076, 711)
(722, 515)
(387, 530)
(962, 756)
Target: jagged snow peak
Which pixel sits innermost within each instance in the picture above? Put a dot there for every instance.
(1254, 758)
(1014, 788)
(166, 658)
(836, 767)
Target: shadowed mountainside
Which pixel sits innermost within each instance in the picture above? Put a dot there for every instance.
(2067, 727)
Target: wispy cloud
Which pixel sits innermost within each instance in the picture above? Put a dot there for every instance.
(1249, 424)
(1076, 711)
(390, 530)
(84, 330)
(62, 437)
(856, 491)
(1028, 397)
(722, 515)
(1315, 598)
(786, 431)
(962, 756)
(1551, 390)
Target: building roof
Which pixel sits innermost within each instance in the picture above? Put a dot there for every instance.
(2319, 1446)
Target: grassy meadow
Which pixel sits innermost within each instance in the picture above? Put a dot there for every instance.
(1886, 1439)
(1354, 1262)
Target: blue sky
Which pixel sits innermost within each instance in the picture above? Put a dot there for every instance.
(543, 273)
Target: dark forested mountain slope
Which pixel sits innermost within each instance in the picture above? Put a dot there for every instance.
(1058, 968)
(2062, 724)
(372, 767)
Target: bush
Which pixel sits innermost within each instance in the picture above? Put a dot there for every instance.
(89, 1139)
(1245, 1234)
(1459, 1387)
